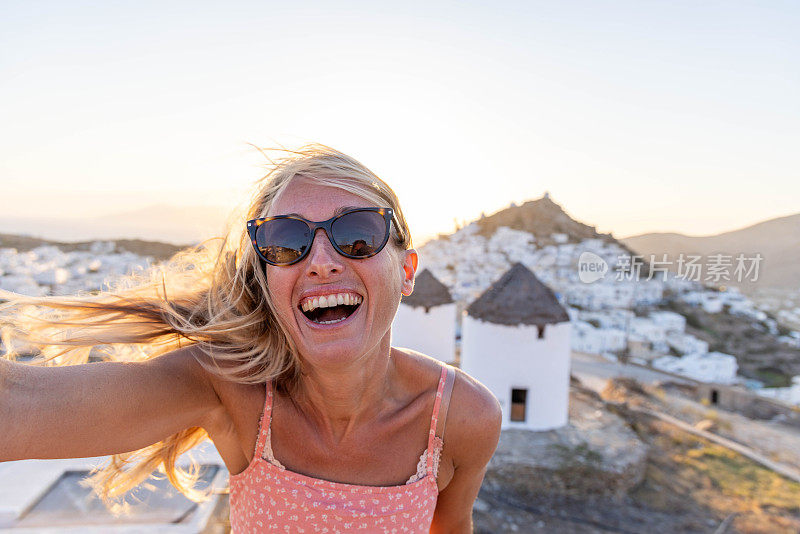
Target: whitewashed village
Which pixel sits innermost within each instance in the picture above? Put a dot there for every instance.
(510, 307)
(601, 313)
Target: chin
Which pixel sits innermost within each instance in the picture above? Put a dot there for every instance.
(339, 352)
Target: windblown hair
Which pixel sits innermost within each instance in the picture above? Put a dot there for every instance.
(214, 296)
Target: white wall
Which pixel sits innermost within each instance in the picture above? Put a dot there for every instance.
(711, 367)
(686, 343)
(505, 357)
(586, 338)
(432, 333)
(671, 321)
(789, 395)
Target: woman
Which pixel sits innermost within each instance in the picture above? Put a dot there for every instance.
(277, 347)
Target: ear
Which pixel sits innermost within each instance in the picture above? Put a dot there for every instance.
(409, 270)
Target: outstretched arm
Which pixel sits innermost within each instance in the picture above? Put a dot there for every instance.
(473, 430)
(100, 408)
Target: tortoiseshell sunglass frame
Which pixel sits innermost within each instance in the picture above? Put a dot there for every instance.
(327, 226)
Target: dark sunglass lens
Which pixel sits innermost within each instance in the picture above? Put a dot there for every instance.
(360, 233)
(283, 240)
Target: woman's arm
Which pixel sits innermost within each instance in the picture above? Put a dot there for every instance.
(472, 432)
(100, 408)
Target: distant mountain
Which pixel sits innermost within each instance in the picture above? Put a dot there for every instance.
(156, 249)
(541, 217)
(163, 223)
(777, 240)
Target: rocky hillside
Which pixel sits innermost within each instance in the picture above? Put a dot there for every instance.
(542, 218)
(759, 354)
(686, 483)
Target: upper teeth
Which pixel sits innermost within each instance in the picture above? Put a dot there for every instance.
(327, 301)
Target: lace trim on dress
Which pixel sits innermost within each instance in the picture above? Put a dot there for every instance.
(421, 465)
(271, 459)
(423, 461)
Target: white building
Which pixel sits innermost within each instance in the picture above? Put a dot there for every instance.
(671, 321)
(426, 320)
(610, 293)
(652, 332)
(613, 339)
(789, 395)
(713, 367)
(586, 338)
(516, 341)
(45, 496)
(641, 350)
(709, 301)
(686, 343)
(47, 270)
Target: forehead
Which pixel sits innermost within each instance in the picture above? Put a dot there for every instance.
(314, 201)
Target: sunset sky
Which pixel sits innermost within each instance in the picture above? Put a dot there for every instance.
(636, 116)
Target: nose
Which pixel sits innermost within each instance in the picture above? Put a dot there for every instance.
(323, 261)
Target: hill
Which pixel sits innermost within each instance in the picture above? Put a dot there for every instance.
(161, 223)
(777, 240)
(540, 234)
(156, 249)
(691, 482)
(541, 217)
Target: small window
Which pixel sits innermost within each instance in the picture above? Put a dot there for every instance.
(540, 328)
(714, 396)
(518, 398)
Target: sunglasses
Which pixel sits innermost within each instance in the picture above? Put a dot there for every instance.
(357, 233)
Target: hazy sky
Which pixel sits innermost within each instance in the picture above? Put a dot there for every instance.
(636, 116)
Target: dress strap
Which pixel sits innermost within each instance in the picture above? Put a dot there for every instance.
(448, 390)
(441, 404)
(264, 425)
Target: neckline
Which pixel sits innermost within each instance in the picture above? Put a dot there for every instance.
(314, 481)
(263, 444)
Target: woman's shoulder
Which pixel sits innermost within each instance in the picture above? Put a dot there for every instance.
(420, 368)
(473, 421)
(472, 427)
(235, 395)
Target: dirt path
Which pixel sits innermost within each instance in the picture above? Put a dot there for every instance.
(744, 450)
(778, 442)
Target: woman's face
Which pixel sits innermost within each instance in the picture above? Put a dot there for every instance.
(328, 336)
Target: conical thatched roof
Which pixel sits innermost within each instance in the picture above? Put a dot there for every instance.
(428, 292)
(518, 298)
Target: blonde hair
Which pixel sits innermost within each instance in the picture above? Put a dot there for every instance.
(214, 296)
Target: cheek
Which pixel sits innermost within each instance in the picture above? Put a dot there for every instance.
(395, 268)
(391, 281)
(280, 288)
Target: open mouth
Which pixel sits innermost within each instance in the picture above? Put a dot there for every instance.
(330, 309)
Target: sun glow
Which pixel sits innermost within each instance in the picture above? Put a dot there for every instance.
(461, 111)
